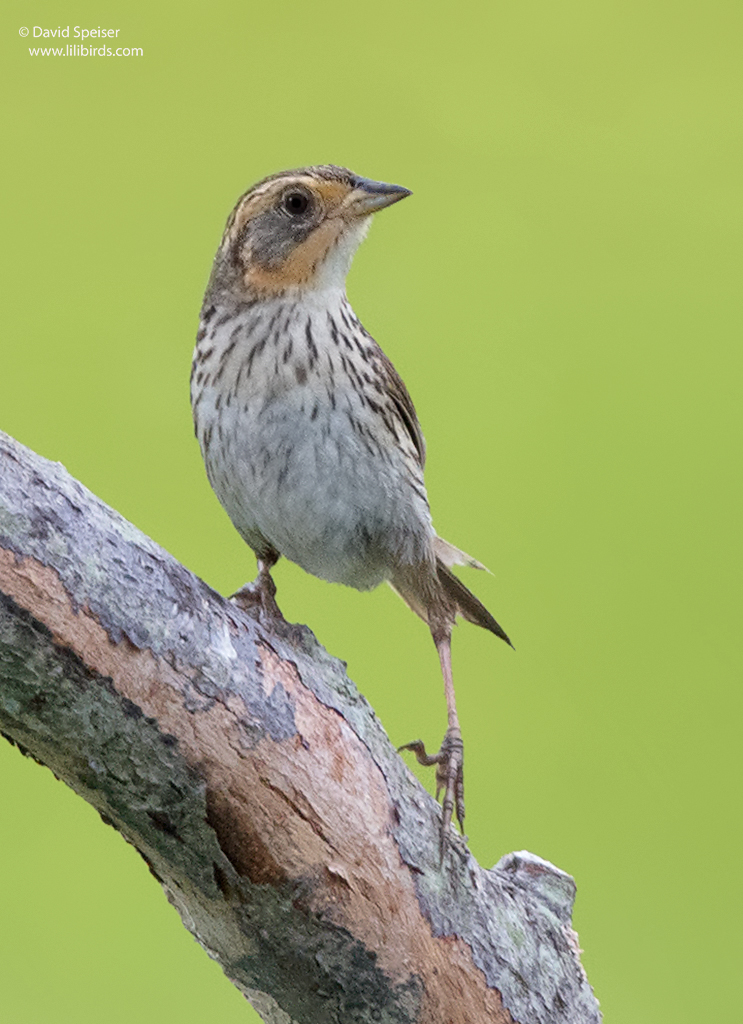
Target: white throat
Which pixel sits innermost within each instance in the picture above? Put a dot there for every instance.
(331, 274)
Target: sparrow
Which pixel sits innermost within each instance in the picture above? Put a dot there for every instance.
(309, 436)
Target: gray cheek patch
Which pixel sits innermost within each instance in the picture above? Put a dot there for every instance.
(272, 237)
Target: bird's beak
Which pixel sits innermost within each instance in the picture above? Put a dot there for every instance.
(369, 196)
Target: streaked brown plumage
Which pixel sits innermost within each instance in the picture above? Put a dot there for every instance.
(310, 438)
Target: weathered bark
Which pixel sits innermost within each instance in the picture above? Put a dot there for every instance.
(258, 785)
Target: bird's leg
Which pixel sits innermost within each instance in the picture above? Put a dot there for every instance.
(261, 593)
(449, 760)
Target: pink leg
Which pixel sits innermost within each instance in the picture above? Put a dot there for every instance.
(449, 760)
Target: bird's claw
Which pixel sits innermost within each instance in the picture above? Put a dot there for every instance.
(449, 763)
(260, 596)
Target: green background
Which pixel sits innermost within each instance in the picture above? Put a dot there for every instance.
(561, 295)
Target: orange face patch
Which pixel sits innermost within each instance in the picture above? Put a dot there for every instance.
(330, 193)
(303, 259)
(301, 266)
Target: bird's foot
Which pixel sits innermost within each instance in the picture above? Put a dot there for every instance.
(449, 763)
(260, 596)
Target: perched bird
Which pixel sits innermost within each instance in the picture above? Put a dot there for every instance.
(310, 438)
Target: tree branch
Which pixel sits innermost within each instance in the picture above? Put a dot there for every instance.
(258, 785)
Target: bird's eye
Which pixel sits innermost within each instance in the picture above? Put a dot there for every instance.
(296, 203)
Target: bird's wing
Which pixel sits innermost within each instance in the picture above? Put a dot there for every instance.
(404, 405)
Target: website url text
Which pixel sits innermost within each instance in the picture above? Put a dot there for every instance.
(85, 51)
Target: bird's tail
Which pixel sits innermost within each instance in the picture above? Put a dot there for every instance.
(449, 555)
(438, 596)
(468, 606)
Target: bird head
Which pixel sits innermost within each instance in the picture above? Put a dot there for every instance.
(297, 230)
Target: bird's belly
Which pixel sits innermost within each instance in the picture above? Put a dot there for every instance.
(328, 496)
